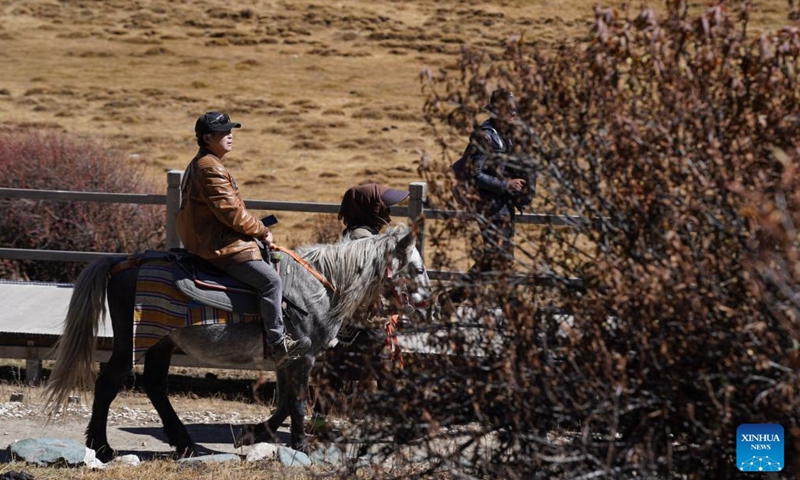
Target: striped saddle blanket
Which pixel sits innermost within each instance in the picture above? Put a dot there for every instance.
(161, 307)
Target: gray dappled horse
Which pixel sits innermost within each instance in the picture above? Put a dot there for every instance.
(359, 270)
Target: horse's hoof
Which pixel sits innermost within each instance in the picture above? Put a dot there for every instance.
(245, 436)
(302, 447)
(105, 454)
(186, 452)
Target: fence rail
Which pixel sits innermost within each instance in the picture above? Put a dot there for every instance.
(70, 196)
(415, 211)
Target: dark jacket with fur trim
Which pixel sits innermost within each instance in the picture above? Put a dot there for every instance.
(486, 158)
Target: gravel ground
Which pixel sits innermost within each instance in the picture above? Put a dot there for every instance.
(210, 405)
(133, 424)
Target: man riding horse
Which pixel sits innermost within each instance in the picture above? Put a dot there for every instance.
(327, 283)
(214, 224)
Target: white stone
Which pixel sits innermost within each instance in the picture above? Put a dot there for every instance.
(262, 451)
(91, 461)
(129, 459)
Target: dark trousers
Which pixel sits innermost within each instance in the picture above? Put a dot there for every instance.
(496, 252)
(266, 281)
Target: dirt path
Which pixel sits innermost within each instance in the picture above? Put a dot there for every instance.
(134, 426)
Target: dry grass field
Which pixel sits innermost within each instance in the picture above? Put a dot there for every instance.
(328, 91)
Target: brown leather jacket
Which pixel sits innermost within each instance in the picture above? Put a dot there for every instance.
(213, 222)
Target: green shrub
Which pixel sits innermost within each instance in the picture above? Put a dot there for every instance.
(51, 160)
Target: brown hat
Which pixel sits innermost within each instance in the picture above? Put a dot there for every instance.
(369, 204)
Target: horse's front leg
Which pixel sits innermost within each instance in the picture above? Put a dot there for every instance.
(292, 388)
(297, 428)
(297, 400)
(252, 433)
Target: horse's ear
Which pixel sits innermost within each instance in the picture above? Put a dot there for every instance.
(405, 243)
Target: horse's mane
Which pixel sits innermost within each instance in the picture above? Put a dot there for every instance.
(354, 267)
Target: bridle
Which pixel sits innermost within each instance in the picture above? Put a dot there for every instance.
(400, 297)
(402, 305)
(305, 265)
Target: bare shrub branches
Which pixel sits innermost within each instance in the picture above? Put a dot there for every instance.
(661, 135)
(55, 161)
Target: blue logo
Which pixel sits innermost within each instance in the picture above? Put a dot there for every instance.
(759, 447)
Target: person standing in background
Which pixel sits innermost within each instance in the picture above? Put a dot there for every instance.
(492, 190)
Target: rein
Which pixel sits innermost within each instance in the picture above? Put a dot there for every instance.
(307, 266)
(400, 297)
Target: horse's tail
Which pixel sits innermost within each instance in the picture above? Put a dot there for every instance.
(74, 358)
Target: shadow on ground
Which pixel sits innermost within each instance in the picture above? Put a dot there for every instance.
(203, 384)
(210, 439)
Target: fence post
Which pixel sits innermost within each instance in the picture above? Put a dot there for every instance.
(33, 365)
(173, 205)
(416, 204)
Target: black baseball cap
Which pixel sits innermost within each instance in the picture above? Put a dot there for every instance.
(502, 98)
(214, 122)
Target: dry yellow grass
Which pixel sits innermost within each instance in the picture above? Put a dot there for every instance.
(171, 470)
(328, 92)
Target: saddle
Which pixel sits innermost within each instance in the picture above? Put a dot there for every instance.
(204, 283)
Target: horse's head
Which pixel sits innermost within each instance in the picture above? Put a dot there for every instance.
(406, 273)
(361, 271)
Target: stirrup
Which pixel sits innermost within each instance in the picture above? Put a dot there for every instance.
(290, 349)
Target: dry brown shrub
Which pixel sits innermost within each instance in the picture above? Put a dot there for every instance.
(142, 41)
(347, 145)
(368, 113)
(244, 41)
(403, 116)
(659, 134)
(333, 111)
(49, 160)
(158, 51)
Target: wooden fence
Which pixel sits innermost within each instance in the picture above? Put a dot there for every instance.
(416, 212)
